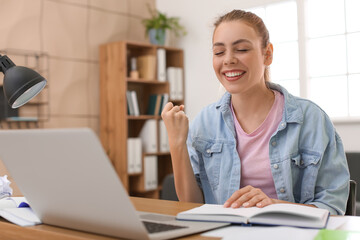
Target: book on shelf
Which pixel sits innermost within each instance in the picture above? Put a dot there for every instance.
(151, 104)
(148, 135)
(157, 104)
(146, 65)
(18, 211)
(275, 214)
(134, 155)
(175, 78)
(161, 64)
(132, 103)
(135, 103)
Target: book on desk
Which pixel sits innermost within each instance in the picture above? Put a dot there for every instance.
(275, 214)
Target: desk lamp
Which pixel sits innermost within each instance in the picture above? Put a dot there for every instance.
(20, 83)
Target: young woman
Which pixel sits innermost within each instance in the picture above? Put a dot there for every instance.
(258, 145)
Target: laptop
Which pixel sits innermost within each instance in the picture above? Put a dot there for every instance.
(69, 182)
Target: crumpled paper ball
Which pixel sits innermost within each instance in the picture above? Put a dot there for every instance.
(5, 189)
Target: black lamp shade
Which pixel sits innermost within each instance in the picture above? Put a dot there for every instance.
(22, 84)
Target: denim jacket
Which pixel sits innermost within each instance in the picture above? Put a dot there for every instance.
(306, 154)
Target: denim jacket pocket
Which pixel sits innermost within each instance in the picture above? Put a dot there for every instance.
(210, 153)
(305, 167)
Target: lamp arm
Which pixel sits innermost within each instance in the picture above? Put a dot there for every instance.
(5, 63)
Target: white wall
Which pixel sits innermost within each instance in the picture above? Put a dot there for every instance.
(201, 84)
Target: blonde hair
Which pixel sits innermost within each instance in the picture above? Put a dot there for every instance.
(253, 21)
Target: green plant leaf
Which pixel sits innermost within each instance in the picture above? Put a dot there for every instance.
(160, 20)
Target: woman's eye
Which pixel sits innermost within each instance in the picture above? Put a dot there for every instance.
(242, 50)
(218, 53)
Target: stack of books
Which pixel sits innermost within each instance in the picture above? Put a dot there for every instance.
(156, 103)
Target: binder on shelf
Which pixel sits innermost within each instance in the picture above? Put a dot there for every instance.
(179, 84)
(150, 173)
(130, 156)
(146, 65)
(134, 155)
(148, 135)
(175, 78)
(161, 64)
(171, 75)
(163, 141)
(138, 155)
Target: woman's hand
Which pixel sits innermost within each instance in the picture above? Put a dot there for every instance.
(177, 124)
(249, 197)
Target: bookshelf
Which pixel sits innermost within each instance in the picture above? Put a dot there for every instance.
(116, 125)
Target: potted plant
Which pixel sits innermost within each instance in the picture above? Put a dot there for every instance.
(157, 24)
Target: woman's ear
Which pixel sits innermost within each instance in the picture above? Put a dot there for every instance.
(268, 54)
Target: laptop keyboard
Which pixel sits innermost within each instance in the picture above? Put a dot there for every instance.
(153, 227)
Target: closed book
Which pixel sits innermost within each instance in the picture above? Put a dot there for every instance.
(148, 135)
(282, 214)
(161, 64)
(135, 103)
(158, 104)
(130, 103)
(151, 104)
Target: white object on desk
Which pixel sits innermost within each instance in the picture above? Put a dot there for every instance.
(279, 233)
(5, 189)
(23, 216)
(261, 233)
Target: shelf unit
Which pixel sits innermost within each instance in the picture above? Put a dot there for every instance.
(34, 113)
(116, 126)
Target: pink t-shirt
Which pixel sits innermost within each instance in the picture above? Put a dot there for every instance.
(253, 149)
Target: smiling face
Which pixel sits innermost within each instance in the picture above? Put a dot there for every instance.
(239, 60)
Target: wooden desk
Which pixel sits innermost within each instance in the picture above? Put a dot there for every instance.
(11, 231)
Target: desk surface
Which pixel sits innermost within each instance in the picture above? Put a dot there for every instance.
(13, 232)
